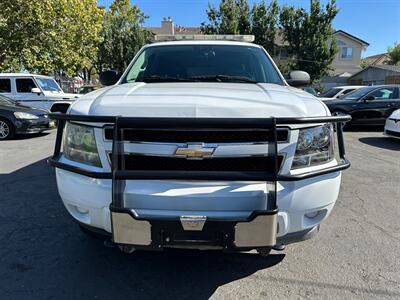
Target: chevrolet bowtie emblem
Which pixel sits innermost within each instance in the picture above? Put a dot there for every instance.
(195, 151)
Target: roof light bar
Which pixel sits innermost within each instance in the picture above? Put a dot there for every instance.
(200, 37)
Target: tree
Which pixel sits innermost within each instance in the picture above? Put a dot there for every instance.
(310, 37)
(265, 24)
(122, 34)
(48, 36)
(394, 54)
(231, 17)
(364, 64)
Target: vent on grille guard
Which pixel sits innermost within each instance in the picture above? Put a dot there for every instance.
(203, 136)
(161, 163)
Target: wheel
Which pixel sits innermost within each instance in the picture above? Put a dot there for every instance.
(264, 252)
(6, 130)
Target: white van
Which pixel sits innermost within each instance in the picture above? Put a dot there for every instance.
(36, 91)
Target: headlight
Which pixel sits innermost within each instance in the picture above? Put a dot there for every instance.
(314, 146)
(80, 144)
(25, 116)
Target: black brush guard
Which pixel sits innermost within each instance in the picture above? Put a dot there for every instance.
(219, 233)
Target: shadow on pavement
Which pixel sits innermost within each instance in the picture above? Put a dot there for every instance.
(45, 255)
(382, 142)
(30, 136)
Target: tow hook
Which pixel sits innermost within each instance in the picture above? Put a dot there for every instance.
(108, 243)
(127, 249)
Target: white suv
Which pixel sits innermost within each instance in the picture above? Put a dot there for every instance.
(200, 144)
(35, 91)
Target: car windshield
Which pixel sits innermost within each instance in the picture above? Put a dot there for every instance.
(310, 91)
(331, 93)
(4, 101)
(357, 94)
(49, 85)
(203, 62)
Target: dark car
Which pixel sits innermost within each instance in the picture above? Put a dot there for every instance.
(87, 89)
(18, 119)
(370, 105)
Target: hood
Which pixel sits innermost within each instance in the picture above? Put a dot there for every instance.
(61, 96)
(199, 99)
(395, 115)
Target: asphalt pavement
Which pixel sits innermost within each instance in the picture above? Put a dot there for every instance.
(44, 255)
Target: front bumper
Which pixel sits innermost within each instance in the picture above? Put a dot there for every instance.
(33, 126)
(259, 229)
(392, 128)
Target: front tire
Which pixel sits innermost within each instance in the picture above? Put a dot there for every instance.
(7, 131)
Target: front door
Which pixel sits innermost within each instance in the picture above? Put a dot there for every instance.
(377, 105)
(24, 96)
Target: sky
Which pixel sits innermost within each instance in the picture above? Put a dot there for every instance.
(374, 21)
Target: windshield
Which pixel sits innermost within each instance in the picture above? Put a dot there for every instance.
(310, 91)
(331, 93)
(49, 85)
(357, 94)
(6, 101)
(227, 63)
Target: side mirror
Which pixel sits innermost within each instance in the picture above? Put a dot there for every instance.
(369, 98)
(298, 78)
(36, 91)
(110, 77)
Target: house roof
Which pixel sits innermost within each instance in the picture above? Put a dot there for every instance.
(352, 37)
(395, 69)
(377, 59)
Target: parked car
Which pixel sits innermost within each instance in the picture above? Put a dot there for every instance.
(339, 92)
(368, 105)
(87, 89)
(19, 119)
(35, 91)
(392, 125)
(206, 143)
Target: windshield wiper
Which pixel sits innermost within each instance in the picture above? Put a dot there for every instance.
(157, 78)
(221, 78)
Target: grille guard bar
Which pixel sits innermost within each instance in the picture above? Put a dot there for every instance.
(118, 174)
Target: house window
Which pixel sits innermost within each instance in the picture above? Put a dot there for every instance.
(340, 43)
(346, 53)
(283, 53)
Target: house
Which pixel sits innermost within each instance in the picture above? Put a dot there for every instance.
(169, 28)
(347, 60)
(378, 59)
(376, 74)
